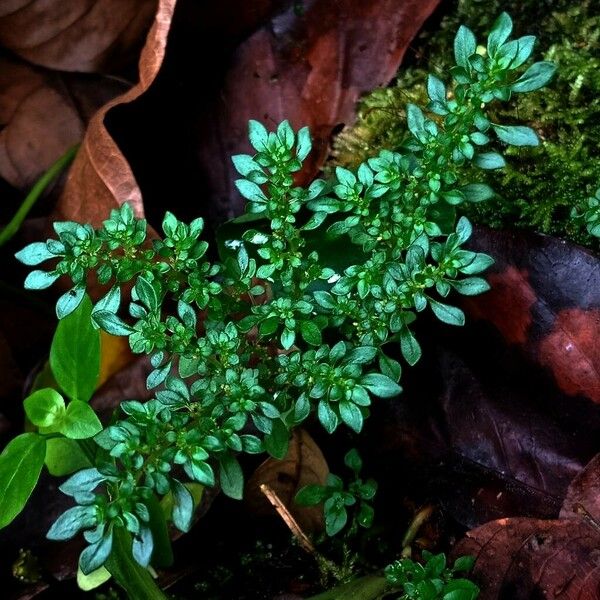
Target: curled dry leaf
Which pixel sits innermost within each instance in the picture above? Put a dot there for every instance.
(30, 141)
(304, 464)
(100, 178)
(527, 559)
(87, 35)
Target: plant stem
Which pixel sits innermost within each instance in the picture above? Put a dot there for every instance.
(133, 578)
(36, 191)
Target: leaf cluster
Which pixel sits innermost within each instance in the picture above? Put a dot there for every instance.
(434, 579)
(306, 313)
(337, 499)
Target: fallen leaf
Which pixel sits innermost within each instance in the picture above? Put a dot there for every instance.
(30, 141)
(100, 178)
(545, 298)
(116, 355)
(84, 36)
(527, 559)
(304, 464)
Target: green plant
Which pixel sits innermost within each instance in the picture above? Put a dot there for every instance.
(588, 212)
(336, 500)
(541, 184)
(289, 323)
(433, 580)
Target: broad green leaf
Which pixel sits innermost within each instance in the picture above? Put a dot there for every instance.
(501, 30)
(490, 160)
(351, 415)
(64, 456)
(40, 280)
(21, 463)
(310, 333)
(75, 353)
(80, 421)
(95, 555)
(276, 442)
(71, 522)
(477, 192)
(311, 495)
(34, 254)
(45, 408)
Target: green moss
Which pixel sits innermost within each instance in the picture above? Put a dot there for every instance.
(541, 185)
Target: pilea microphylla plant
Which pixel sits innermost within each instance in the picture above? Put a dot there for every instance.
(315, 290)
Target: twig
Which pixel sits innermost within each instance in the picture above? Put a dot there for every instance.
(288, 519)
(417, 522)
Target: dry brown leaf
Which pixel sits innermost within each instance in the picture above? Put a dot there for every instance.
(85, 35)
(304, 464)
(100, 178)
(42, 114)
(527, 559)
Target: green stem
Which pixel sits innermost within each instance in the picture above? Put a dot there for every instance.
(36, 191)
(133, 578)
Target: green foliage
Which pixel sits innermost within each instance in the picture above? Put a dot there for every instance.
(588, 212)
(336, 499)
(21, 463)
(540, 185)
(317, 290)
(433, 580)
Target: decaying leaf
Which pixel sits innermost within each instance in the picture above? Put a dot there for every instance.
(527, 559)
(100, 178)
(303, 465)
(30, 141)
(85, 36)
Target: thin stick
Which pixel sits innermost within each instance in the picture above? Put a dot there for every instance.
(417, 522)
(285, 514)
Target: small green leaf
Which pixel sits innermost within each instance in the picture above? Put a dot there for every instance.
(477, 192)
(501, 30)
(311, 495)
(111, 323)
(380, 385)
(490, 160)
(45, 408)
(21, 463)
(353, 461)
(327, 416)
(390, 367)
(304, 143)
(69, 301)
(447, 314)
(40, 280)
(75, 353)
(80, 421)
(516, 135)
(250, 190)
(537, 76)
(310, 333)
(95, 555)
(231, 476)
(34, 254)
(336, 516)
(471, 286)
(183, 506)
(257, 135)
(465, 45)
(351, 415)
(410, 348)
(276, 442)
(95, 579)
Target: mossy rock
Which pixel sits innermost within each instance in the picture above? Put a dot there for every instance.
(541, 185)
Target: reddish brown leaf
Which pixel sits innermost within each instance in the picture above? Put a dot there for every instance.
(303, 465)
(101, 178)
(87, 35)
(30, 141)
(545, 297)
(571, 350)
(527, 559)
(583, 495)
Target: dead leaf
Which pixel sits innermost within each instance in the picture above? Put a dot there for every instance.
(531, 559)
(30, 141)
(100, 178)
(84, 36)
(304, 464)
(115, 356)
